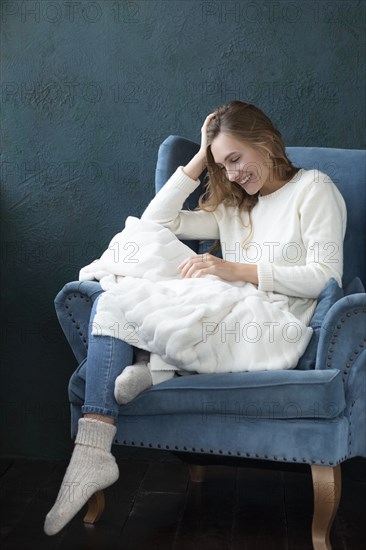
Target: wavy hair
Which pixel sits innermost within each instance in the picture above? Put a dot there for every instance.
(249, 125)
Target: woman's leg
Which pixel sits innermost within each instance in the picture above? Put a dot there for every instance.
(107, 357)
(92, 466)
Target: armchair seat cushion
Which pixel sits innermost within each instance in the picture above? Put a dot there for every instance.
(282, 394)
(254, 395)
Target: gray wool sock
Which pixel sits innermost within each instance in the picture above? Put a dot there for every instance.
(133, 380)
(92, 468)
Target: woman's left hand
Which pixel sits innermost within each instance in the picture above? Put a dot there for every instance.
(207, 264)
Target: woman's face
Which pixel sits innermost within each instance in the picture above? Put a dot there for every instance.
(243, 165)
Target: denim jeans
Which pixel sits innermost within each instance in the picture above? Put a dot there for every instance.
(107, 357)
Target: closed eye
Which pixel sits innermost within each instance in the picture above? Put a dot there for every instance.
(231, 160)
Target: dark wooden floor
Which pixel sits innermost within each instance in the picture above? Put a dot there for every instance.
(153, 506)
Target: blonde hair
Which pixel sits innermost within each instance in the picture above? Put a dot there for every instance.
(249, 125)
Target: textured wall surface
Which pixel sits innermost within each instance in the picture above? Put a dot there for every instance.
(89, 91)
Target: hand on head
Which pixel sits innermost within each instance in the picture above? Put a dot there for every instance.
(206, 123)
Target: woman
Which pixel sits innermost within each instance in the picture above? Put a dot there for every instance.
(280, 228)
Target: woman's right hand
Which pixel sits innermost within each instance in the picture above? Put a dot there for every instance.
(198, 163)
(203, 146)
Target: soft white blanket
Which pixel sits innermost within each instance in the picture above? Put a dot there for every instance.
(205, 324)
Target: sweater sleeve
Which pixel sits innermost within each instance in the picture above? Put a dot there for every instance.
(322, 217)
(166, 209)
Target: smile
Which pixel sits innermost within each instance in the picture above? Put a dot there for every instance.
(245, 180)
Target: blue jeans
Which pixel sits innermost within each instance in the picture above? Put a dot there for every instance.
(107, 357)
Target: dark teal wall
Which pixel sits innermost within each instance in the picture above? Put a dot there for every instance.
(89, 91)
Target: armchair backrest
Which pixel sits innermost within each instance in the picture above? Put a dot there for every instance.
(346, 168)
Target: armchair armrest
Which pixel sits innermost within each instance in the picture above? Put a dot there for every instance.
(343, 335)
(342, 346)
(73, 305)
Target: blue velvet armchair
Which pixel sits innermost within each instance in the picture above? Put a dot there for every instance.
(314, 414)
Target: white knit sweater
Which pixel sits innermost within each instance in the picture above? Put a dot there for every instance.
(297, 239)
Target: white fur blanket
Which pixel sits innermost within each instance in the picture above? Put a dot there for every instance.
(205, 324)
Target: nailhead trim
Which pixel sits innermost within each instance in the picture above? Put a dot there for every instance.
(353, 353)
(238, 453)
(350, 429)
(73, 320)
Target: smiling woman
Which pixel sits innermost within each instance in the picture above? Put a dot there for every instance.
(245, 157)
(295, 214)
(258, 206)
(246, 166)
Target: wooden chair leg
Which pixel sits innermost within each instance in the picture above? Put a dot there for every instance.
(196, 472)
(327, 483)
(96, 505)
